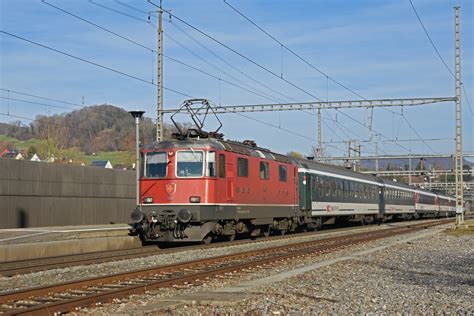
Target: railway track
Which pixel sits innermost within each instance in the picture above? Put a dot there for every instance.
(82, 293)
(12, 268)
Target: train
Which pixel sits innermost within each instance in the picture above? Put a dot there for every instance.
(199, 188)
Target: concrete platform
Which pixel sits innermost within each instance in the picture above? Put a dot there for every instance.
(31, 243)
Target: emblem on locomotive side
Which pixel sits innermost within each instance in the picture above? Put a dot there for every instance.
(170, 188)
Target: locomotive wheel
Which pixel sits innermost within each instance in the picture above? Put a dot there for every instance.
(207, 240)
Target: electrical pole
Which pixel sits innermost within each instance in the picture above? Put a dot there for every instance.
(458, 108)
(319, 150)
(409, 168)
(159, 79)
(359, 150)
(376, 152)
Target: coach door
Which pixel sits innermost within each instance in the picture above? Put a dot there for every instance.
(296, 189)
(381, 195)
(304, 193)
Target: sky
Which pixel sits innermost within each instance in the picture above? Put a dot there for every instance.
(378, 49)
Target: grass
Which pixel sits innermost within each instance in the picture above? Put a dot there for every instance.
(115, 157)
(22, 144)
(467, 230)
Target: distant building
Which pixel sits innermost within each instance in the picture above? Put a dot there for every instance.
(102, 164)
(13, 155)
(35, 158)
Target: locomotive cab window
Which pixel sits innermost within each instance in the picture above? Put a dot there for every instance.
(211, 164)
(156, 164)
(189, 163)
(242, 167)
(264, 170)
(283, 173)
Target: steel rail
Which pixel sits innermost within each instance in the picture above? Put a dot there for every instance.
(11, 268)
(42, 299)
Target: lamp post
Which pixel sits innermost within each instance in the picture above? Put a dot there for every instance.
(137, 116)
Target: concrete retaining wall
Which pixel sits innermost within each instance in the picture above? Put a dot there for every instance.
(37, 194)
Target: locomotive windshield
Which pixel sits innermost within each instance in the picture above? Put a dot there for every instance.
(189, 163)
(155, 163)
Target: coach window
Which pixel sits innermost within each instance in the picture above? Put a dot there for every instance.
(189, 163)
(242, 167)
(327, 184)
(211, 164)
(156, 163)
(264, 170)
(221, 166)
(320, 184)
(282, 173)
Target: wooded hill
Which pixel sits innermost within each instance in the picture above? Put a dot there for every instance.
(90, 129)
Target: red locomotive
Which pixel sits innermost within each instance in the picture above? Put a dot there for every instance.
(217, 182)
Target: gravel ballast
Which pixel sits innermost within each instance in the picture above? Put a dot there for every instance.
(429, 275)
(87, 271)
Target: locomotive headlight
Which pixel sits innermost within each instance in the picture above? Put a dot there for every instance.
(148, 200)
(195, 199)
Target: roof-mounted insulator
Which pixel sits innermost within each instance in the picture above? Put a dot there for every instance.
(250, 143)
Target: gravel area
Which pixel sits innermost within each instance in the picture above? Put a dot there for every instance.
(428, 276)
(79, 272)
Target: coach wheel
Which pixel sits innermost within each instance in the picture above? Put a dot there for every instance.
(207, 240)
(266, 231)
(366, 220)
(231, 237)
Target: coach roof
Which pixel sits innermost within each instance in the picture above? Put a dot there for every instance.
(334, 170)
